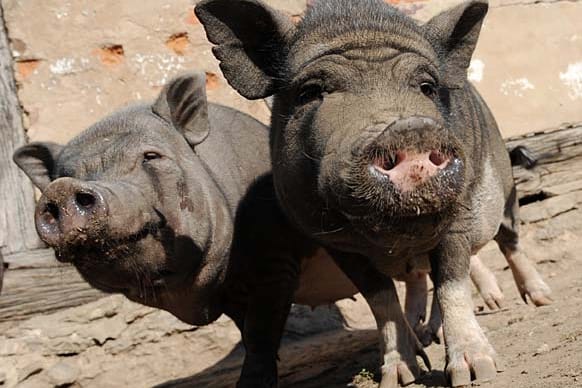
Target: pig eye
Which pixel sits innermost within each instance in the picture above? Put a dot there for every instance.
(428, 89)
(151, 156)
(309, 93)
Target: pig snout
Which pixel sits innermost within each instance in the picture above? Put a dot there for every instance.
(409, 152)
(69, 211)
(406, 169)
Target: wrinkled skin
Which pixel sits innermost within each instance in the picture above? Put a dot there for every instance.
(384, 153)
(143, 202)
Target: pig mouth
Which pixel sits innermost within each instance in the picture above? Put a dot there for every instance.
(375, 194)
(115, 265)
(100, 243)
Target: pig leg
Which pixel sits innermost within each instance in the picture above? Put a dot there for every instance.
(398, 343)
(528, 280)
(416, 296)
(433, 330)
(469, 353)
(415, 308)
(415, 302)
(486, 283)
(263, 326)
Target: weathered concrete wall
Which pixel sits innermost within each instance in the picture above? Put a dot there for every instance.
(78, 60)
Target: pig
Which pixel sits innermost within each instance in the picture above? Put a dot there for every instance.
(143, 202)
(384, 154)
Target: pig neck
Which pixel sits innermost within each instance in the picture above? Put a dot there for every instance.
(234, 156)
(235, 153)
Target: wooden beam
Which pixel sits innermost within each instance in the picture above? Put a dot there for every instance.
(559, 167)
(16, 192)
(36, 283)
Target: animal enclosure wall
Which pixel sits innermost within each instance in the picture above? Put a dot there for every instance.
(78, 60)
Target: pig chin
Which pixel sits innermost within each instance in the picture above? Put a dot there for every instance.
(137, 264)
(112, 265)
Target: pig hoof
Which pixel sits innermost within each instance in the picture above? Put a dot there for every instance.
(468, 366)
(493, 297)
(398, 374)
(403, 369)
(539, 293)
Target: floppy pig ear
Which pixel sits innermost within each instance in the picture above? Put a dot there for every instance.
(183, 103)
(251, 43)
(38, 161)
(455, 32)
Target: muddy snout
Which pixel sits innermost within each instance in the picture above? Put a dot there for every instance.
(70, 211)
(410, 152)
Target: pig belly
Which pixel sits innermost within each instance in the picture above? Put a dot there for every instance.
(322, 281)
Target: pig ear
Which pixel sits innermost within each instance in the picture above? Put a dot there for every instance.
(183, 103)
(38, 161)
(251, 43)
(455, 33)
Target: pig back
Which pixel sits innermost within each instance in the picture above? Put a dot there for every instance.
(236, 151)
(497, 150)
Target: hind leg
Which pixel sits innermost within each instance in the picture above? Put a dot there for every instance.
(415, 302)
(486, 283)
(528, 280)
(432, 331)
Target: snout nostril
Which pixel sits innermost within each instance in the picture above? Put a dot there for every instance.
(85, 199)
(52, 211)
(389, 161)
(437, 158)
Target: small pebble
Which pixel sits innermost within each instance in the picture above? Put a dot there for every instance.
(545, 348)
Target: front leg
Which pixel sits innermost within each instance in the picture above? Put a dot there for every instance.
(469, 354)
(398, 343)
(266, 314)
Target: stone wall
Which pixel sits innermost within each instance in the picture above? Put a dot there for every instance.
(78, 60)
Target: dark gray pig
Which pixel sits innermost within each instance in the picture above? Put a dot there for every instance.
(143, 202)
(384, 153)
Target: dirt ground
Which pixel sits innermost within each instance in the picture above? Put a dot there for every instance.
(540, 347)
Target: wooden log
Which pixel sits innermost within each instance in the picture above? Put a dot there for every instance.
(1, 271)
(16, 192)
(559, 167)
(36, 283)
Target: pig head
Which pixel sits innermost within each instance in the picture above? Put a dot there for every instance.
(132, 203)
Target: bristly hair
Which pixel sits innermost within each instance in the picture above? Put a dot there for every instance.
(331, 18)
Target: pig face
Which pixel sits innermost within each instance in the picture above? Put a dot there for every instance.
(363, 121)
(127, 201)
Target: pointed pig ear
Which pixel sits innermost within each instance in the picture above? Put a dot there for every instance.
(38, 161)
(183, 104)
(251, 41)
(455, 33)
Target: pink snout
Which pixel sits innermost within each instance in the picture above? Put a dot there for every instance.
(409, 169)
